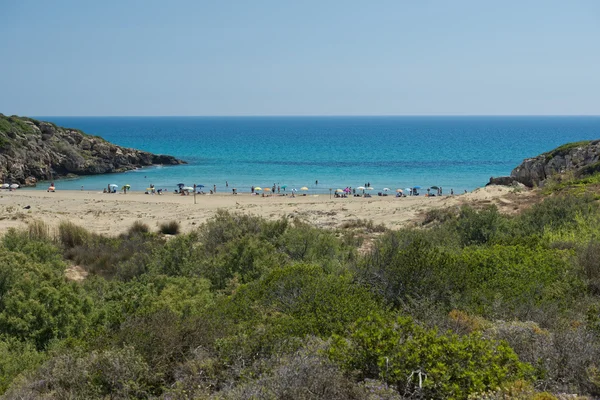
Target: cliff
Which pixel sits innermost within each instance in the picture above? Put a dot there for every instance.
(32, 150)
(580, 158)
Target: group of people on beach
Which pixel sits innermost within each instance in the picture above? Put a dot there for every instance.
(281, 190)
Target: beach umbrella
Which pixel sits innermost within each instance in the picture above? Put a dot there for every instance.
(303, 188)
(5, 186)
(187, 188)
(257, 189)
(339, 191)
(14, 186)
(360, 188)
(113, 185)
(294, 190)
(407, 189)
(149, 189)
(434, 187)
(283, 186)
(416, 187)
(370, 188)
(399, 191)
(127, 186)
(199, 186)
(386, 189)
(266, 189)
(181, 184)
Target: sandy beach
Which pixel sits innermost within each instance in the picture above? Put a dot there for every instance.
(114, 213)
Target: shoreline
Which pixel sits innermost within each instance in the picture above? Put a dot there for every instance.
(114, 213)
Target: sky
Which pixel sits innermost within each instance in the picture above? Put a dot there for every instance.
(310, 57)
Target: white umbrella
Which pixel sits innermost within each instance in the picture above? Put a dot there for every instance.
(14, 186)
(386, 189)
(370, 188)
(360, 188)
(187, 188)
(113, 185)
(5, 186)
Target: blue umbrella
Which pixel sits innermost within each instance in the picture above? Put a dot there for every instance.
(199, 186)
(417, 187)
(181, 185)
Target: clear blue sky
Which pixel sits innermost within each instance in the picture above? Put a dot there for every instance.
(278, 57)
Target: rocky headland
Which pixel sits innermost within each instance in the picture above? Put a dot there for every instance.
(32, 150)
(579, 158)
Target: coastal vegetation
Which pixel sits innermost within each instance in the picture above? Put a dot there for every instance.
(472, 304)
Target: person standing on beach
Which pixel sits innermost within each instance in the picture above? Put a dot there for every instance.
(278, 189)
(226, 184)
(215, 188)
(252, 189)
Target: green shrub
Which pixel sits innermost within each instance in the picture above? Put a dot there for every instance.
(424, 363)
(169, 228)
(515, 281)
(225, 227)
(404, 265)
(553, 213)
(478, 227)
(15, 358)
(37, 304)
(588, 258)
(115, 373)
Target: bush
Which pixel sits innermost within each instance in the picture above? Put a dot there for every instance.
(138, 228)
(15, 358)
(553, 213)
(37, 304)
(404, 265)
(115, 374)
(71, 235)
(424, 364)
(39, 230)
(303, 375)
(169, 228)
(225, 227)
(478, 227)
(514, 281)
(123, 257)
(588, 258)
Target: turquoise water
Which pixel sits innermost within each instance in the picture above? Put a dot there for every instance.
(395, 152)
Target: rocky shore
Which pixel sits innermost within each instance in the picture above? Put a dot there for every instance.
(33, 150)
(579, 158)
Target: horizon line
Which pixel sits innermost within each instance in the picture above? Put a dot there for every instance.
(313, 115)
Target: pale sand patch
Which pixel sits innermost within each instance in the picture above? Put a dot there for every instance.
(114, 213)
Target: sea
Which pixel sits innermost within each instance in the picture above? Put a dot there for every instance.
(322, 153)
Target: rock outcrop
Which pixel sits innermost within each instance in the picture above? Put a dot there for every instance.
(580, 159)
(32, 150)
